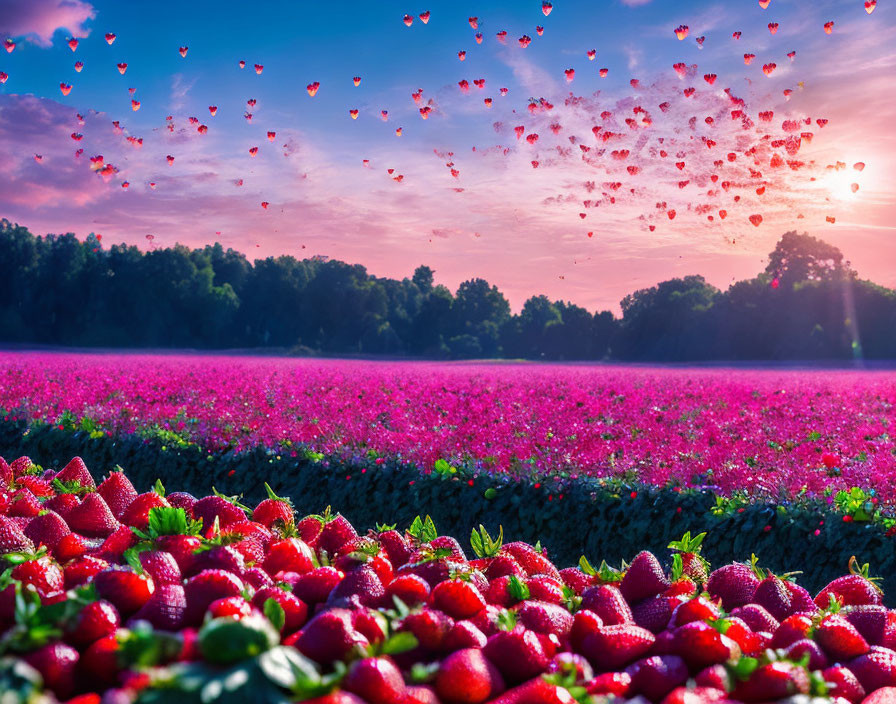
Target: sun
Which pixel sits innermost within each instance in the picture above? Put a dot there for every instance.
(846, 184)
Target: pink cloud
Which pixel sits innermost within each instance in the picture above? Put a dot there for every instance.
(39, 19)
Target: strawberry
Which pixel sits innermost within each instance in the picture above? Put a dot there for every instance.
(503, 565)
(38, 486)
(329, 637)
(6, 475)
(429, 626)
(801, 601)
(734, 584)
(376, 680)
(76, 471)
(118, 493)
(546, 588)
(695, 695)
(161, 566)
(420, 694)
(839, 638)
(82, 569)
(644, 578)
(607, 602)
(532, 561)
(336, 532)
(235, 607)
(12, 538)
(206, 587)
(545, 617)
(309, 529)
(396, 546)
(843, 683)
(182, 548)
(807, 650)
(294, 609)
(360, 586)
(457, 598)
(56, 663)
(256, 578)
(776, 680)
(409, 588)
(314, 587)
(875, 669)
(576, 580)
(688, 560)
(697, 609)
(611, 684)
(184, 500)
(41, 573)
(24, 504)
(715, 676)
(126, 589)
(273, 509)
(656, 676)
(62, 503)
(654, 612)
(583, 623)
(468, 677)
(854, 589)
(464, 634)
(792, 629)
(612, 647)
(773, 594)
(518, 654)
(96, 620)
(218, 557)
(870, 620)
(136, 515)
(93, 518)
(47, 529)
(20, 466)
(288, 555)
(702, 645)
(99, 663)
(166, 608)
(756, 617)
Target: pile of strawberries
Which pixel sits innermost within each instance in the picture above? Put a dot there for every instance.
(110, 596)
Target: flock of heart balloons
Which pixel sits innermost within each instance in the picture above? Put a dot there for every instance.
(724, 155)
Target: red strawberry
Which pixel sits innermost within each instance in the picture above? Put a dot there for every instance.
(734, 584)
(854, 589)
(76, 471)
(182, 547)
(314, 587)
(607, 602)
(457, 598)
(871, 621)
(118, 492)
(656, 676)
(701, 645)
(273, 509)
(468, 677)
(82, 570)
(545, 617)
(801, 601)
(774, 595)
(361, 586)
(613, 647)
(644, 578)
(99, 663)
(329, 637)
(38, 486)
(421, 694)
(161, 566)
(532, 561)
(615, 684)
(235, 607)
(181, 499)
(809, 649)
(875, 669)
(583, 623)
(396, 546)
(756, 617)
(6, 475)
(464, 634)
(336, 532)
(41, 573)
(20, 466)
(839, 638)
(429, 626)
(257, 578)
(792, 629)
(294, 609)
(206, 587)
(166, 608)
(376, 680)
(126, 589)
(56, 662)
(695, 695)
(519, 654)
(776, 680)
(116, 544)
(715, 676)
(696, 609)
(410, 588)
(576, 580)
(288, 555)
(309, 529)
(654, 613)
(843, 683)
(24, 504)
(136, 514)
(92, 518)
(96, 620)
(502, 565)
(62, 504)
(12, 538)
(546, 588)
(47, 529)
(219, 557)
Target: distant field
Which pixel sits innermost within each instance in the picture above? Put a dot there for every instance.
(756, 429)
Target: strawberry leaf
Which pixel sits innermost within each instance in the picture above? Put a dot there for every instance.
(517, 589)
(483, 544)
(159, 488)
(399, 643)
(274, 613)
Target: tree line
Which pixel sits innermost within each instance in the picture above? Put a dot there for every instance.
(58, 290)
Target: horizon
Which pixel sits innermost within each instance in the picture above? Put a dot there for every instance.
(516, 226)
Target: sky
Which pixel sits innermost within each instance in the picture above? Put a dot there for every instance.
(624, 184)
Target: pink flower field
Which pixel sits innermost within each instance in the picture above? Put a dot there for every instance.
(758, 430)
